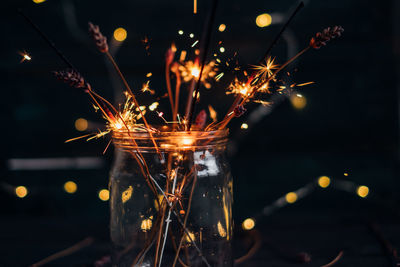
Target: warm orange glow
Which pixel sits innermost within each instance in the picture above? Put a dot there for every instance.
(146, 225)
(248, 224)
(221, 230)
(38, 1)
(298, 101)
(127, 194)
(291, 197)
(70, 187)
(263, 20)
(187, 141)
(104, 194)
(324, 181)
(195, 72)
(189, 238)
(21, 191)
(118, 125)
(222, 27)
(362, 191)
(120, 34)
(81, 124)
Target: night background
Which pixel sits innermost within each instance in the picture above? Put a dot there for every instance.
(348, 130)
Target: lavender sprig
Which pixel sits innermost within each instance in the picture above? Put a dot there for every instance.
(321, 38)
(99, 39)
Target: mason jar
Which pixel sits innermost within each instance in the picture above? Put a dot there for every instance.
(171, 199)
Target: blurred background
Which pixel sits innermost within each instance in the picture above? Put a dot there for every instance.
(345, 126)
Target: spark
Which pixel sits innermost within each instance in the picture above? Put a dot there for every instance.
(222, 27)
(194, 6)
(191, 35)
(180, 32)
(324, 181)
(222, 49)
(70, 187)
(120, 34)
(25, 56)
(263, 20)
(146, 88)
(244, 126)
(153, 106)
(21, 191)
(190, 70)
(219, 76)
(148, 75)
(307, 83)
(213, 113)
(104, 194)
(182, 56)
(266, 70)
(195, 43)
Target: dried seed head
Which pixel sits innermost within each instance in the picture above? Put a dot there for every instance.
(326, 35)
(99, 39)
(72, 78)
(239, 111)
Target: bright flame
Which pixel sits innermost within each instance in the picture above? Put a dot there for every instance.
(81, 124)
(120, 34)
(263, 20)
(324, 181)
(195, 72)
(104, 194)
(70, 187)
(222, 27)
(362, 191)
(21, 191)
(291, 197)
(118, 125)
(248, 224)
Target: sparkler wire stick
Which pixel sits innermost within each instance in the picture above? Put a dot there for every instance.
(110, 57)
(278, 36)
(205, 43)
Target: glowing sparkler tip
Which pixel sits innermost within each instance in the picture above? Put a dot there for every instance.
(195, 72)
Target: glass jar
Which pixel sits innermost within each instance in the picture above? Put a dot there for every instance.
(171, 204)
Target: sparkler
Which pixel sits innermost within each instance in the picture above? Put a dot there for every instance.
(196, 73)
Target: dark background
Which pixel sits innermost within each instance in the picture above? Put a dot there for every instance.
(349, 125)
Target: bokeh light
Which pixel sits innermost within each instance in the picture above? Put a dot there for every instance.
(120, 34)
(70, 187)
(104, 194)
(298, 101)
(324, 181)
(21, 191)
(291, 197)
(81, 124)
(244, 126)
(363, 191)
(222, 27)
(248, 224)
(263, 20)
(38, 1)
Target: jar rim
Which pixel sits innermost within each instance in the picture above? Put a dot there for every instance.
(169, 140)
